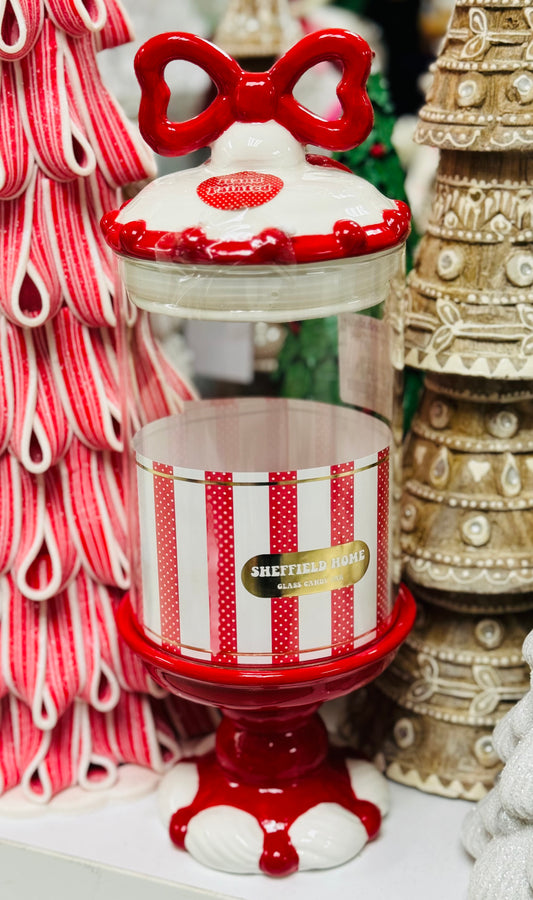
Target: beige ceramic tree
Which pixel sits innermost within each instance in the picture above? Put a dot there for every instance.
(256, 28)
(467, 510)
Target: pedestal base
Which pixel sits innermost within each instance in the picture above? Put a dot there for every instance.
(273, 797)
(315, 822)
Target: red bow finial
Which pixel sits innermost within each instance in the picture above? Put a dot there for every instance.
(255, 97)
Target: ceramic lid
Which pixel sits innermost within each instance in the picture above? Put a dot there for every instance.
(259, 200)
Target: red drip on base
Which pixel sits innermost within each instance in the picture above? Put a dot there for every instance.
(275, 767)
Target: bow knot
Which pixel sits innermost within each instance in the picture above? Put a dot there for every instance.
(254, 95)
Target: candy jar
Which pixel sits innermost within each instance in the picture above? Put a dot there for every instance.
(265, 572)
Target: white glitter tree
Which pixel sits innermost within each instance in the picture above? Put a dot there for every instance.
(498, 832)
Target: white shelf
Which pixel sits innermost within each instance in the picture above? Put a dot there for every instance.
(122, 852)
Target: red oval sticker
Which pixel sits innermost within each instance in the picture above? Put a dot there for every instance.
(239, 190)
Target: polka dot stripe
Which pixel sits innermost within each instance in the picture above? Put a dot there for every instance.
(221, 567)
(342, 531)
(167, 556)
(283, 502)
(382, 555)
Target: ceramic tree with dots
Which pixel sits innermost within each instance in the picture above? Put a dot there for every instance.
(468, 498)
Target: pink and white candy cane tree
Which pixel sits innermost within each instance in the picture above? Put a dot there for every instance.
(74, 701)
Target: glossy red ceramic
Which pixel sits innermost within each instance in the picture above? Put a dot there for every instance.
(254, 97)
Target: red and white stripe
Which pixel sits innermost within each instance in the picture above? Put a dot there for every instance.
(49, 113)
(10, 510)
(117, 30)
(6, 386)
(90, 393)
(120, 156)
(30, 292)
(367, 528)
(16, 221)
(23, 650)
(283, 526)
(84, 276)
(16, 160)
(384, 561)
(314, 530)
(42, 276)
(46, 560)
(40, 431)
(221, 566)
(198, 529)
(98, 684)
(77, 17)
(55, 765)
(20, 24)
(161, 391)
(91, 497)
(342, 526)
(20, 741)
(100, 197)
(116, 659)
(167, 559)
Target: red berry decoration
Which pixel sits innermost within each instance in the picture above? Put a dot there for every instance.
(378, 151)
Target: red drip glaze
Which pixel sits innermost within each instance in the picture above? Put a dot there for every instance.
(275, 772)
(272, 245)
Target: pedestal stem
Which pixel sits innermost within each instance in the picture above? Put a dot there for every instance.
(269, 746)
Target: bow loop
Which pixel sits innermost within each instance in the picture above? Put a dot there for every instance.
(254, 97)
(176, 138)
(355, 56)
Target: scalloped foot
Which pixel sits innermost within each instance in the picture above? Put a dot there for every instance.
(319, 820)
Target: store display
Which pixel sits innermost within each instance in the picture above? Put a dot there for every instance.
(270, 518)
(468, 491)
(74, 701)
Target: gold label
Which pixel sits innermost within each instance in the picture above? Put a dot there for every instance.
(307, 571)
